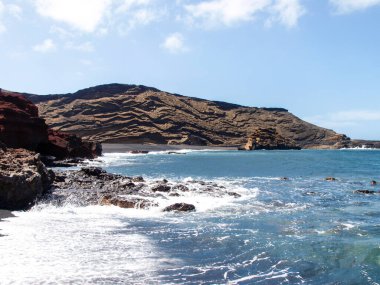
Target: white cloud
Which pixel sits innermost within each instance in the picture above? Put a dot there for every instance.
(174, 43)
(8, 9)
(349, 6)
(127, 5)
(99, 16)
(84, 47)
(14, 10)
(287, 12)
(46, 46)
(84, 15)
(213, 13)
(142, 17)
(226, 12)
(137, 13)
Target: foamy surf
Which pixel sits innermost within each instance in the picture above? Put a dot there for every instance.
(77, 245)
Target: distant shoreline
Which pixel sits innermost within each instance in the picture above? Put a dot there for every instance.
(116, 147)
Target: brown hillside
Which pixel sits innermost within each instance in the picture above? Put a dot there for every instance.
(138, 114)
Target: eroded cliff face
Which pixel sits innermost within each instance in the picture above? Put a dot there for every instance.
(21, 127)
(138, 114)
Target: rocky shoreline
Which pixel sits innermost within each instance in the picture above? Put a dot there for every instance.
(94, 186)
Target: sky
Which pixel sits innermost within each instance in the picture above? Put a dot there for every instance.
(320, 59)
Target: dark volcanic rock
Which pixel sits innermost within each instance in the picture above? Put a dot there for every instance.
(138, 114)
(93, 186)
(330, 179)
(180, 207)
(365, 192)
(125, 202)
(181, 187)
(93, 171)
(161, 188)
(23, 179)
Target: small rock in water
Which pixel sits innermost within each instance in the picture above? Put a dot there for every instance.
(330, 179)
(138, 179)
(234, 194)
(181, 187)
(364, 192)
(180, 207)
(139, 152)
(161, 188)
(310, 193)
(126, 203)
(93, 171)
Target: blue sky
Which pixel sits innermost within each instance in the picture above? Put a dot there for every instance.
(318, 58)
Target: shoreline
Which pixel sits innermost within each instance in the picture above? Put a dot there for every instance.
(120, 147)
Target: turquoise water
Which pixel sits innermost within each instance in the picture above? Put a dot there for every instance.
(304, 230)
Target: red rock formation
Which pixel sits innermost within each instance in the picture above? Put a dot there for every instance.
(20, 126)
(62, 145)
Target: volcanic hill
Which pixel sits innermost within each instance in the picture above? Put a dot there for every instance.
(119, 113)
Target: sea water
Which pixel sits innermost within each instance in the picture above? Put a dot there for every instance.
(304, 230)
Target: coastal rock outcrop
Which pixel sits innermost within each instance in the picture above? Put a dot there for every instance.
(23, 179)
(125, 202)
(94, 186)
(63, 145)
(118, 113)
(268, 139)
(180, 207)
(21, 127)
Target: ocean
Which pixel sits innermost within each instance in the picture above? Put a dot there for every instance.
(300, 230)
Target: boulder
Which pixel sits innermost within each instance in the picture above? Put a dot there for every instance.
(181, 187)
(23, 180)
(127, 203)
(93, 171)
(180, 207)
(161, 188)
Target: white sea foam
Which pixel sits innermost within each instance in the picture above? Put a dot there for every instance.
(76, 245)
(95, 244)
(127, 158)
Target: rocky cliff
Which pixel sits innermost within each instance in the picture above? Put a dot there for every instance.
(21, 127)
(137, 114)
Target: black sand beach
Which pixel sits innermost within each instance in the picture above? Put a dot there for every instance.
(111, 148)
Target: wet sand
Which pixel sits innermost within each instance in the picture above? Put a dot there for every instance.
(109, 148)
